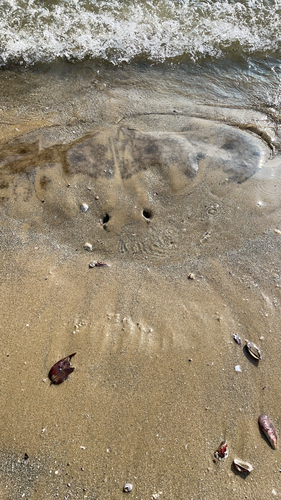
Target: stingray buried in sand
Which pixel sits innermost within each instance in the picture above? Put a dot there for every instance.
(151, 190)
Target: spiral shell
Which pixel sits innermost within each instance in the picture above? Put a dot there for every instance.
(267, 427)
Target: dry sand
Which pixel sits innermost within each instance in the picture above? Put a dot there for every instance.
(172, 188)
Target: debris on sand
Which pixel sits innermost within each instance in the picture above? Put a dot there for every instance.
(61, 370)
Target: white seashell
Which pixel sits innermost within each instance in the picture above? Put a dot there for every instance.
(253, 350)
(88, 247)
(84, 207)
(242, 466)
(238, 368)
(128, 487)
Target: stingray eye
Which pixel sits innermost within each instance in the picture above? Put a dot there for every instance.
(147, 214)
(105, 218)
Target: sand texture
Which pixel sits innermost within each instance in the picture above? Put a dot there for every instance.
(182, 201)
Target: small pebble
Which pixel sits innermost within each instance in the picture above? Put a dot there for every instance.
(84, 207)
(238, 368)
(128, 487)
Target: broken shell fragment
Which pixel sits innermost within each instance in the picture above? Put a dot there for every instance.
(222, 451)
(267, 428)
(242, 466)
(61, 370)
(98, 264)
(253, 350)
(237, 339)
(128, 487)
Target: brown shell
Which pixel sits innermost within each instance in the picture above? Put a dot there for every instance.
(61, 370)
(268, 429)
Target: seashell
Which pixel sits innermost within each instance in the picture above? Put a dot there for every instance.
(60, 370)
(84, 207)
(222, 451)
(242, 466)
(253, 350)
(237, 339)
(98, 264)
(88, 247)
(267, 427)
(128, 487)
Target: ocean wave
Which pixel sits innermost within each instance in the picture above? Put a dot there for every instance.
(34, 31)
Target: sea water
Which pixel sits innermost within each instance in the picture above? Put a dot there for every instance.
(223, 44)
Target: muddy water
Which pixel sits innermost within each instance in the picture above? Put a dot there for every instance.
(183, 205)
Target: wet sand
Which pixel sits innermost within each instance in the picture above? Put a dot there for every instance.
(183, 204)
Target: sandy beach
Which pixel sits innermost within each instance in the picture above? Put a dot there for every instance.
(181, 200)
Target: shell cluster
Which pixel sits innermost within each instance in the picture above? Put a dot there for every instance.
(265, 423)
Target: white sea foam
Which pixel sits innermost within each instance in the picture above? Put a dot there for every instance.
(43, 30)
